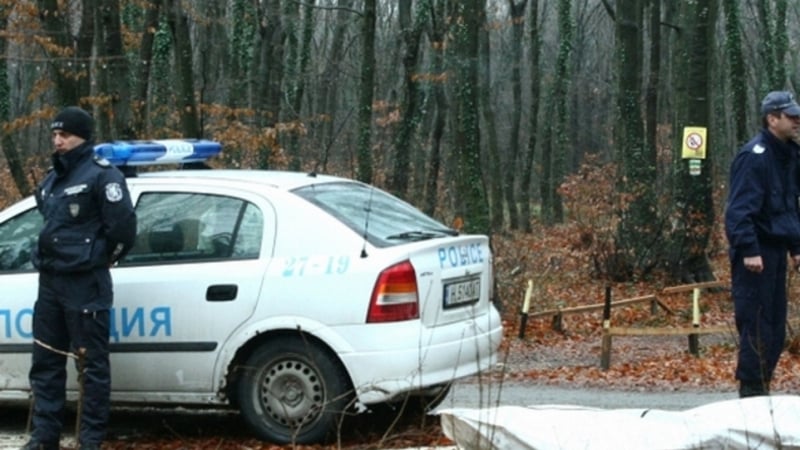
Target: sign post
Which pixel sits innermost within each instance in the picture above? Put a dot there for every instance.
(694, 148)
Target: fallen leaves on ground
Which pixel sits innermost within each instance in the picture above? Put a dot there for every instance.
(571, 354)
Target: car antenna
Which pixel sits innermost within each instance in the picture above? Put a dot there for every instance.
(366, 223)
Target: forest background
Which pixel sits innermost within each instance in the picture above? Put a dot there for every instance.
(556, 127)
(492, 115)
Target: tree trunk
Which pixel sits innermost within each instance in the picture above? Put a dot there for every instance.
(469, 185)
(637, 232)
(545, 181)
(694, 193)
(297, 63)
(410, 31)
(653, 81)
(497, 170)
(533, 118)
(268, 73)
(140, 100)
(773, 42)
(113, 75)
(269, 62)
(436, 34)
(13, 158)
(210, 54)
(239, 53)
(366, 92)
(561, 142)
(517, 11)
(328, 92)
(182, 54)
(71, 79)
(737, 70)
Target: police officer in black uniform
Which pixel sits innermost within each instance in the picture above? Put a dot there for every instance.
(89, 224)
(763, 226)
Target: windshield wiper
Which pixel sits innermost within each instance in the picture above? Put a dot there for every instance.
(419, 235)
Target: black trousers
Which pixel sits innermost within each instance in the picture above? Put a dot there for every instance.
(760, 309)
(71, 313)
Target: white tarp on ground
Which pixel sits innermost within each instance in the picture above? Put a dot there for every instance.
(752, 423)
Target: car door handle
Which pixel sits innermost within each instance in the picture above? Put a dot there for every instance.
(221, 292)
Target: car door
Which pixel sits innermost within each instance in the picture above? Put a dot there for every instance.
(193, 276)
(19, 231)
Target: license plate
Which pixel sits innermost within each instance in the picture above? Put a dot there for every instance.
(462, 292)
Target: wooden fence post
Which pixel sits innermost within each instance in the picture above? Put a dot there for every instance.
(526, 304)
(605, 357)
(694, 338)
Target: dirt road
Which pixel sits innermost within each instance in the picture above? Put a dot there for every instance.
(129, 424)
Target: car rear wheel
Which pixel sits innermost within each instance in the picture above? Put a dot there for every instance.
(293, 392)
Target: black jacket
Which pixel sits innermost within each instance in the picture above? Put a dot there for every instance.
(89, 220)
(763, 196)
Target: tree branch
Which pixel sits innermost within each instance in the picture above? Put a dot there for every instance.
(610, 10)
(329, 8)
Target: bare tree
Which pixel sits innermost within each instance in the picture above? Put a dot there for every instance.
(297, 64)
(140, 98)
(517, 11)
(436, 35)
(328, 86)
(553, 161)
(469, 184)
(70, 54)
(653, 83)
(496, 181)
(13, 158)
(737, 70)
(411, 27)
(773, 41)
(182, 53)
(533, 116)
(694, 192)
(366, 92)
(115, 122)
(637, 232)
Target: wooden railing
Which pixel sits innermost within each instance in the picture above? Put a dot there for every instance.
(609, 331)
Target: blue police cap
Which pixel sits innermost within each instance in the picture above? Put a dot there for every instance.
(780, 101)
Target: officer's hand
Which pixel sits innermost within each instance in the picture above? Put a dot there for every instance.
(754, 264)
(796, 262)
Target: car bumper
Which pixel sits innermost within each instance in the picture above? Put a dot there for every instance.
(408, 359)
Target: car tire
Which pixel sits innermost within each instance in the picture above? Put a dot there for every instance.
(293, 392)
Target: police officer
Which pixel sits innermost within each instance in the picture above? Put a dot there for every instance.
(89, 224)
(762, 226)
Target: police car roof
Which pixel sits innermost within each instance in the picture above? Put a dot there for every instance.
(279, 179)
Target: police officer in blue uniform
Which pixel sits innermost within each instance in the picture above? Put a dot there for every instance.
(89, 224)
(763, 227)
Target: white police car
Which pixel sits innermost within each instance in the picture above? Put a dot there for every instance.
(294, 297)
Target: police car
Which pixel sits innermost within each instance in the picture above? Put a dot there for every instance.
(295, 297)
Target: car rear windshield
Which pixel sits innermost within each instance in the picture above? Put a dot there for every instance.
(384, 220)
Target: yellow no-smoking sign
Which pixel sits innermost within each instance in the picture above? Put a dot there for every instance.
(694, 143)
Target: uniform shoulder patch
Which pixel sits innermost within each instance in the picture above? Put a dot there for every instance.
(113, 192)
(758, 149)
(102, 162)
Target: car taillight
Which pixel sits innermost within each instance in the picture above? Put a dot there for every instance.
(394, 297)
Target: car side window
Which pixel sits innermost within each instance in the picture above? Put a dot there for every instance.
(18, 238)
(185, 227)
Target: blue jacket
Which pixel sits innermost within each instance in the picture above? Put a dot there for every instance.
(763, 196)
(89, 220)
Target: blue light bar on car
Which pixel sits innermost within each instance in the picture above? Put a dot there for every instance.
(162, 151)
